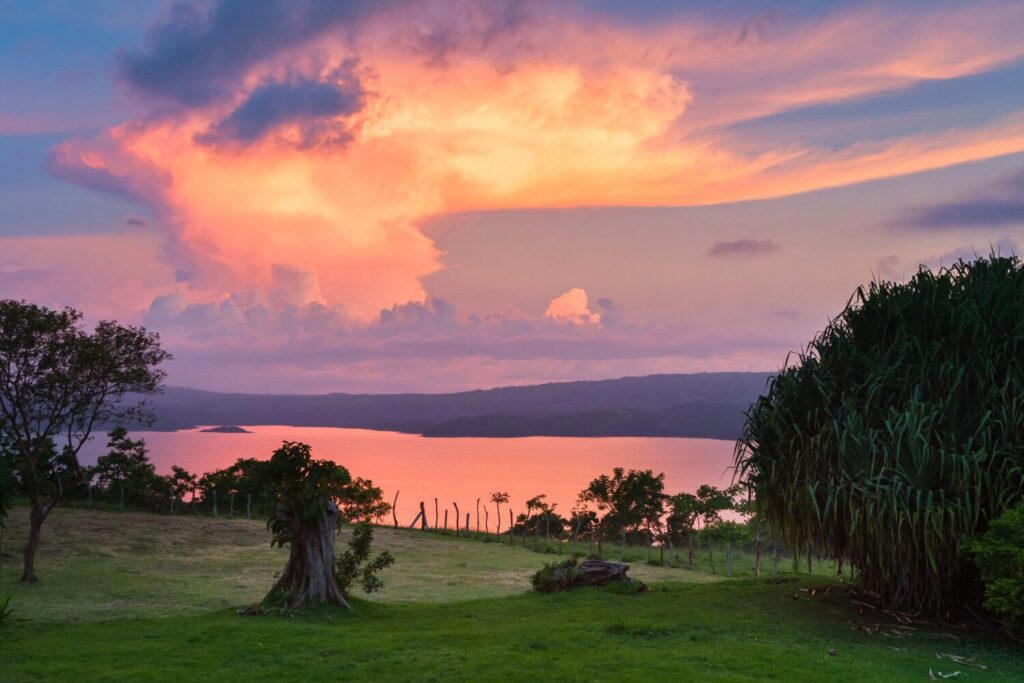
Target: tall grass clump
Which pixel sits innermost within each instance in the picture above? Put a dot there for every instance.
(899, 432)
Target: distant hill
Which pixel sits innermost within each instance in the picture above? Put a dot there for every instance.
(696, 405)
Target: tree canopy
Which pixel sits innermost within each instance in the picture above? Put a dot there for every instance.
(58, 382)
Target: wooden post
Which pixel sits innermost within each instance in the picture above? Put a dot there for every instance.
(435, 513)
(394, 510)
(487, 521)
(456, 519)
(467, 524)
(416, 519)
(511, 524)
(477, 516)
(423, 516)
(215, 503)
(122, 496)
(757, 553)
(231, 505)
(446, 519)
(248, 506)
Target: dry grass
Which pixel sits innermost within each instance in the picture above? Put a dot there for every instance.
(102, 565)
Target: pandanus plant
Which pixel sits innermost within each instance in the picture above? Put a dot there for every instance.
(898, 434)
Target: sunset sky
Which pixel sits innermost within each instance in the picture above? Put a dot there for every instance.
(320, 195)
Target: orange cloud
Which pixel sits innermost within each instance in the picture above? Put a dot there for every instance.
(565, 111)
(572, 307)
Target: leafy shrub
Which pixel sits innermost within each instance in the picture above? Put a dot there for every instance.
(999, 554)
(898, 434)
(355, 563)
(554, 577)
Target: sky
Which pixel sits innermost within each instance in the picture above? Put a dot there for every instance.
(339, 195)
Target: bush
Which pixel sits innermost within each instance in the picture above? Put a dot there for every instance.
(355, 563)
(999, 554)
(899, 433)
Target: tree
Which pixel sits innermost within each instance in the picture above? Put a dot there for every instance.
(540, 516)
(7, 489)
(362, 502)
(684, 512)
(126, 465)
(59, 382)
(903, 419)
(499, 497)
(183, 483)
(627, 499)
(582, 521)
(711, 503)
(306, 495)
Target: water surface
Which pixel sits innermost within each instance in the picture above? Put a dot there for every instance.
(453, 469)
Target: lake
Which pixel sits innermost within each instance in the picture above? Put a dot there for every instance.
(452, 469)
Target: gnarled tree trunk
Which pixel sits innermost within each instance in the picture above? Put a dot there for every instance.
(308, 578)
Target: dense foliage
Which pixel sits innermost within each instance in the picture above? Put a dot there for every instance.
(899, 432)
(310, 498)
(58, 382)
(629, 502)
(999, 554)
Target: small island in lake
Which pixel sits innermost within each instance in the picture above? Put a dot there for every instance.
(226, 429)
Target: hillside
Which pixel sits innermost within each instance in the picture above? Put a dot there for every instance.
(697, 405)
(153, 598)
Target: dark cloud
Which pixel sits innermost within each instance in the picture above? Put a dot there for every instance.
(135, 222)
(479, 25)
(313, 105)
(998, 205)
(200, 51)
(743, 247)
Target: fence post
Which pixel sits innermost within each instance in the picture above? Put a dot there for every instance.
(467, 524)
(423, 516)
(394, 510)
(446, 519)
(435, 513)
(457, 515)
(248, 506)
(215, 503)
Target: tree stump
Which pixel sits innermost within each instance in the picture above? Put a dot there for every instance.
(308, 578)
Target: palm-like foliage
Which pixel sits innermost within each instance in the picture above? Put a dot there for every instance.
(899, 433)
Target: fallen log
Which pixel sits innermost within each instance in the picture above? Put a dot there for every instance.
(554, 578)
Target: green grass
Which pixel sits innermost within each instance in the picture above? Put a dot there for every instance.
(450, 610)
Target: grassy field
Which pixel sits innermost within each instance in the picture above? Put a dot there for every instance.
(142, 597)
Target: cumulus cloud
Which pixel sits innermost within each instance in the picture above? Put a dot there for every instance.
(462, 106)
(743, 247)
(999, 205)
(572, 307)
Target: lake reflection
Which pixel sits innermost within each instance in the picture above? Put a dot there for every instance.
(459, 470)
